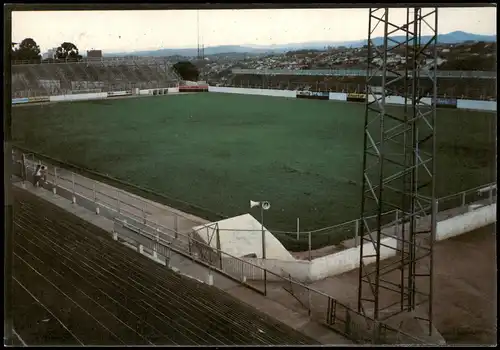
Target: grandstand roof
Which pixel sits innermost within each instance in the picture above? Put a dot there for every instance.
(74, 285)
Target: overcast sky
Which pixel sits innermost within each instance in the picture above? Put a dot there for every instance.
(114, 31)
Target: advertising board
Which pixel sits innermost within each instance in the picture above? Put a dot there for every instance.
(314, 95)
(356, 97)
(39, 99)
(193, 88)
(443, 102)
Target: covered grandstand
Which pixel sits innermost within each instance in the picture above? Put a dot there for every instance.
(116, 74)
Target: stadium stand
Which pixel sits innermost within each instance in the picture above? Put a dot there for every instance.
(102, 75)
(469, 88)
(74, 285)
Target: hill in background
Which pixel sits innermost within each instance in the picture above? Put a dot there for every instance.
(450, 38)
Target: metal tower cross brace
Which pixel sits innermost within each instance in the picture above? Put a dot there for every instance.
(399, 167)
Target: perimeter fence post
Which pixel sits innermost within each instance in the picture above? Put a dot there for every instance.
(73, 185)
(169, 256)
(309, 301)
(396, 225)
(54, 188)
(118, 201)
(310, 244)
(219, 247)
(176, 226)
(298, 229)
(356, 232)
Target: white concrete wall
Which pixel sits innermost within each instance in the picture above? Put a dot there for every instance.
(298, 269)
(477, 105)
(334, 96)
(348, 259)
(260, 92)
(398, 100)
(79, 97)
(467, 222)
(337, 96)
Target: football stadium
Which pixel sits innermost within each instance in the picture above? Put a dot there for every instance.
(217, 151)
(153, 209)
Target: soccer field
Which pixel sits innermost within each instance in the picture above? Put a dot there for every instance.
(219, 151)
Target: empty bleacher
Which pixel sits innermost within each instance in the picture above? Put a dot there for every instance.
(468, 88)
(75, 285)
(103, 75)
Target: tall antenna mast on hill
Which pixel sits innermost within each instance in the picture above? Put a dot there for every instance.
(198, 33)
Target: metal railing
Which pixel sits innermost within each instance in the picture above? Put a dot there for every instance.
(142, 60)
(360, 73)
(131, 189)
(348, 233)
(481, 194)
(140, 209)
(107, 195)
(163, 239)
(303, 299)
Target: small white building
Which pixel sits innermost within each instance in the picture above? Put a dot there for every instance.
(50, 53)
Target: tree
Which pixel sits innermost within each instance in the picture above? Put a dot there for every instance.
(27, 50)
(68, 51)
(187, 70)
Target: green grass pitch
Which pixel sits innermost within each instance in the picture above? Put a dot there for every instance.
(220, 150)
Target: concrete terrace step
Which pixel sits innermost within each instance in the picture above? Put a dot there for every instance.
(189, 268)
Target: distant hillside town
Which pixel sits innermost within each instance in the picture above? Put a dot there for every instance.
(467, 69)
(468, 56)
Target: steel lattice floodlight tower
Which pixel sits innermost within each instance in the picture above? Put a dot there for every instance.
(399, 168)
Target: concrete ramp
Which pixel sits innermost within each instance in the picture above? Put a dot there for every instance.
(241, 236)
